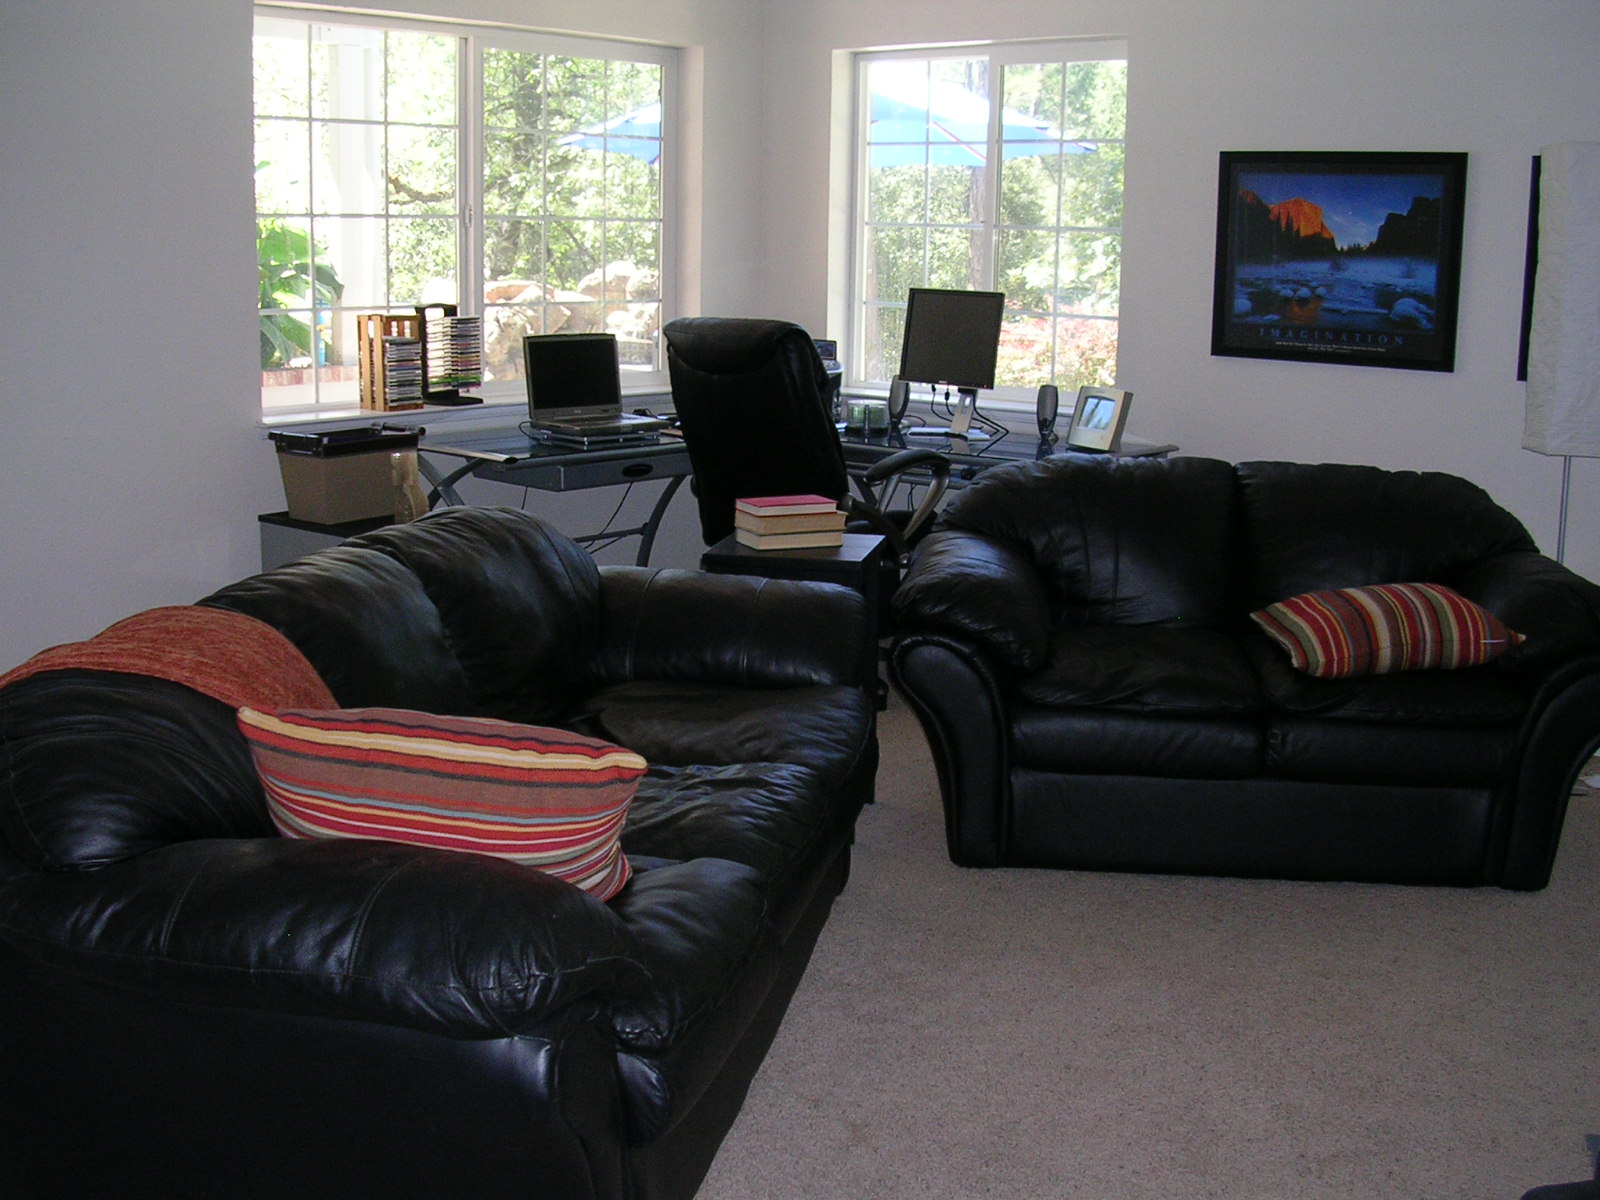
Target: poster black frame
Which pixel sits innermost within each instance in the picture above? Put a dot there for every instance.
(1404, 325)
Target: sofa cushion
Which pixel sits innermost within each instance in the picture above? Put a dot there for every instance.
(1318, 750)
(1145, 668)
(541, 797)
(519, 605)
(772, 817)
(1117, 541)
(827, 729)
(1376, 630)
(1308, 527)
(1477, 697)
(364, 622)
(1101, 742)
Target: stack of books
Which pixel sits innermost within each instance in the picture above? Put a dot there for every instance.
(788, 522)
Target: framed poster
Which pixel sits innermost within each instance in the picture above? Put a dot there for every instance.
(1345, 257)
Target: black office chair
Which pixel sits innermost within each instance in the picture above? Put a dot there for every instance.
(751, 398)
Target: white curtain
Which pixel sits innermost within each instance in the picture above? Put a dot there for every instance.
(1563, 409)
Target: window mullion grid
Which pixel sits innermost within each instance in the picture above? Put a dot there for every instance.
(312, 176)
(1053, 317)
(991, 177)
(386, 172)
(544, 214)
(470, 224)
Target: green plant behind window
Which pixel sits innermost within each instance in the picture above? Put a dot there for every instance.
(295, 280)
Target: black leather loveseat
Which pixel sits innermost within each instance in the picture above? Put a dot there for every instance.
(194, 1006)
(1075, 638)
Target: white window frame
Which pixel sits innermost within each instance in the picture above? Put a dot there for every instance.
(474, 40)
(999, 55)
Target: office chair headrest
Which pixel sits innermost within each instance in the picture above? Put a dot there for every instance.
(729, 344)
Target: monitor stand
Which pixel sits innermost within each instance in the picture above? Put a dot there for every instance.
(960, 420)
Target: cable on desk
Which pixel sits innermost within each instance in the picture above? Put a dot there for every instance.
(942, 406)
(599, 540)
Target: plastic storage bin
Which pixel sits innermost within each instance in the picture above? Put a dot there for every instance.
(339, 475)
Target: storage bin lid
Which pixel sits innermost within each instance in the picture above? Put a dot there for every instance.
(331, 443)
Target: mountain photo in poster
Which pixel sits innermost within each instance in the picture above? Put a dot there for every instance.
(1339, 257)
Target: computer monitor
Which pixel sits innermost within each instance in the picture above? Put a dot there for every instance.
(953, 338)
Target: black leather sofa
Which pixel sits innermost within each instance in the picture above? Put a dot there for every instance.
(193, 1006)
(1074, 637)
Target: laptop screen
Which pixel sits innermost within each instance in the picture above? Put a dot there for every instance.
(571, 373)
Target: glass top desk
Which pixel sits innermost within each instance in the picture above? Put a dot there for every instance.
(971, 457)
(505, 455)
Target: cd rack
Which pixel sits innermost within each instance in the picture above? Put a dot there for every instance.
(391, 361)
(425, 357)
(452, 354)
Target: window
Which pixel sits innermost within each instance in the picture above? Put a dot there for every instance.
(402, 163)
(995, 169)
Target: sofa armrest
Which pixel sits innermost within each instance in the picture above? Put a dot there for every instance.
(691, 626)
(1557, 609)
(952, 687)
(463, 945)
(1562, 733)
(970, 586)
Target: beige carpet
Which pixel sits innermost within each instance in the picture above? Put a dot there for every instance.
(1032, 1034)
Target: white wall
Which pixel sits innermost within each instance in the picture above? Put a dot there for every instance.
(132, 468)
(125, 276)
(1493, 79)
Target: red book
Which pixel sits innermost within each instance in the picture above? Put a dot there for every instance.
(773, 506)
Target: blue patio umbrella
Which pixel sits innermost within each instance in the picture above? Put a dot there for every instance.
(636, 134)
(915, 120)
(912, 121)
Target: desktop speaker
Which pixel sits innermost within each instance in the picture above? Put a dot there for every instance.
(1049, 401)
(899, 399)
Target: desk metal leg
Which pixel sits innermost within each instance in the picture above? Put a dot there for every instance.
(646, 533)
(444, 491)
(444, 486)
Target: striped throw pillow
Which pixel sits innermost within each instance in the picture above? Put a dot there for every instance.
(543, 797)
(1388, 627)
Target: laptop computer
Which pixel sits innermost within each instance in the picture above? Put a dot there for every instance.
(575, 390)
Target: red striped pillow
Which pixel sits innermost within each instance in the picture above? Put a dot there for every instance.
(1375, 630)
(543, 797)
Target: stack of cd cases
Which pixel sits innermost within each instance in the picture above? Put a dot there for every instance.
(391, 361)
(453, 354)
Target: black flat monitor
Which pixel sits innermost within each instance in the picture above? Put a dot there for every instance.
(952, 338)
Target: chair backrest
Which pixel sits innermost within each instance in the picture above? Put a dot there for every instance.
(751, 398)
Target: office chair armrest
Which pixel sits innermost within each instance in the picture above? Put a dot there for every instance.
(938, 468)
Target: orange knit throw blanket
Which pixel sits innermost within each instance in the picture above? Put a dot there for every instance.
(226, 655)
